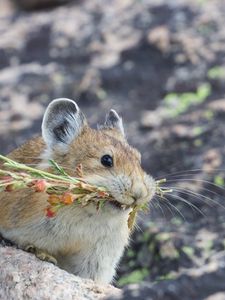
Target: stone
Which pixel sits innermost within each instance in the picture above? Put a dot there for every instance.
(23, 276)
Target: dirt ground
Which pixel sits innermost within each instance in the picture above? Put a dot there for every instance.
(161, 65)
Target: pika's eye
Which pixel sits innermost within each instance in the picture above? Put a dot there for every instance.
(107, 161)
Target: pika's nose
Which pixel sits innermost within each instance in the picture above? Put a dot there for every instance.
(139, 190)
(143, 189)
(137, 195)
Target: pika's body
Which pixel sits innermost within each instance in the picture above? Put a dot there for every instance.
(84, 241)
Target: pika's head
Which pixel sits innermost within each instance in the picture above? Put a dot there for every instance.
(106, 157)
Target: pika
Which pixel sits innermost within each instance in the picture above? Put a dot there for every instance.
(83, 241)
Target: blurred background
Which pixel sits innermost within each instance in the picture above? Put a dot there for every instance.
(161, 65)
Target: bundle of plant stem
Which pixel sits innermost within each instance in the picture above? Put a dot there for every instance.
(61, 188)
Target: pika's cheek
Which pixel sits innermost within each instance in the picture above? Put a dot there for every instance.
(123, 198)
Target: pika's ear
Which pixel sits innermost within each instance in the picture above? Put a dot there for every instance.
(113, 120)
(63, 121)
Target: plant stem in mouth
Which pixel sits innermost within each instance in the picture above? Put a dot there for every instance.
(61, 188)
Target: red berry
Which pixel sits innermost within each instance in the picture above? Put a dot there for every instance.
(40, 185)
(50, 213)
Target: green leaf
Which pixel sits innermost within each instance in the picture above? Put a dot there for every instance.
(57, 168)
(169, 276)
(134, 277)
(216, 72)
(188, 251)
(218, 180)
(203, 92)
(101, 203)
(178, 103)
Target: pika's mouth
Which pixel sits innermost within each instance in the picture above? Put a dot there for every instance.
(119, 205)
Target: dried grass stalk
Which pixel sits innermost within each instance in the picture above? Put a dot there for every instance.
(61, 188)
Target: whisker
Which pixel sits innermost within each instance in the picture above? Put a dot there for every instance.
(188, 203)
(191, 193)
(137, 227)
(168, 207)
(183, 173)
(197, 180)
(151, 205)
(199, 196)
(177, 173)
(158, 205)
(173, 206)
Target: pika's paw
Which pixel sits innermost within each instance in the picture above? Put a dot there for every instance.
(42, 255)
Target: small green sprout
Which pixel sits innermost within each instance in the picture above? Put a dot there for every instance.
(178, 103)
(216, 72)
(161, 190)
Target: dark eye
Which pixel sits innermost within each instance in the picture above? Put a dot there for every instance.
(107, 160)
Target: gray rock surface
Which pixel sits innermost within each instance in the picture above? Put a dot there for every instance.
(23, 276)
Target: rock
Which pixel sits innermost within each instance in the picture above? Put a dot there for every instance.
(23, 276)
(33, 4)
(218, 107)
(212, 160)
(184, 132)
(160, 37)
(217, 296)
(152, 119)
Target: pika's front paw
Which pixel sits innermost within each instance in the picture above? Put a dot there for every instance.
(42, 255)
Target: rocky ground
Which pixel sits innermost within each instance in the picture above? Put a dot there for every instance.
(23, 276)
(161, 64)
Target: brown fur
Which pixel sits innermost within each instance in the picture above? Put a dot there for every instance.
(22, 206)
(85, 242)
